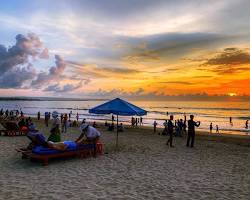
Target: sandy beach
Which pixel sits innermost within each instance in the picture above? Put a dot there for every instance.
(143, 168)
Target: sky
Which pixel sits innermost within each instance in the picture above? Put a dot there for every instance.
(134, 48)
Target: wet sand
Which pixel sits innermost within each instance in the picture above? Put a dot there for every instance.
(143, 168)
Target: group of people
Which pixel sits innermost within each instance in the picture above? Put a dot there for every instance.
(136, 121)
(172, 127)
(88, 134)
(211, 128)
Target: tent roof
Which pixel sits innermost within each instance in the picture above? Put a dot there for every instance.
(118, 107)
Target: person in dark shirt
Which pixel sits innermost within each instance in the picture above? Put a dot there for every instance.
(191, 130)
(170, 131)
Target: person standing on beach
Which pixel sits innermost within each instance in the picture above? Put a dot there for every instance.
(231, 121)
(46, 118)
(64, 124)
(141, 121)
(170, 131)
(217, 129)
(211, 127)
(155, 124)
(38, 115)
(113, 118)
(246, 124)
(191, 130)
(55, 135)
(77, 116)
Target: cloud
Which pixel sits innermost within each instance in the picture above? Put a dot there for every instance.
(178, 82)
(56, 88)
(17, 77)
(54, 73)
(230, 56)
(18, 54)
(229, 61)
(44, 54)
(15, 62)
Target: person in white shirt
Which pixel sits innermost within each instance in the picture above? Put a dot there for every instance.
(89, 134)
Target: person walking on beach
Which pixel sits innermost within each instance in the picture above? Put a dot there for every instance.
(211, 127)
(38, 115)
(170, 131)
(246, 124)
(155, 124)
(191, 130)
(217, 129)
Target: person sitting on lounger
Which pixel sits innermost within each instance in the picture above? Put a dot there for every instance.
(88, 135)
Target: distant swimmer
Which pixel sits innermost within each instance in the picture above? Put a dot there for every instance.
(211, 127)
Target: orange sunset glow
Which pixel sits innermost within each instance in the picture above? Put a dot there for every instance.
(119, 51)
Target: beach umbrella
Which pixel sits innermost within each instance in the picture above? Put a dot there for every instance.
(118, 107)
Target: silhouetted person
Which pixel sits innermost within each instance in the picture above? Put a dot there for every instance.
(165, 130)
(61, 117)
(94, 124)
(231, 121)
(246, 124)
(191, 130)
(77, 116)
(155, 124)
(170, 131)
(217, 129)
(141, 121)
(38, 115)
(211, 127)
(113, 118)
(46, 118)
(22, 115)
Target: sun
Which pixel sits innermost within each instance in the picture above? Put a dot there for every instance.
(232, 94)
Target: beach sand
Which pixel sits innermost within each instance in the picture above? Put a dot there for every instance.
(143, 168)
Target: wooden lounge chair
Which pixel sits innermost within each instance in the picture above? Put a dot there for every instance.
(12, 129)
(80, 152)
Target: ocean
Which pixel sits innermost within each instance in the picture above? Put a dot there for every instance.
(216, 112)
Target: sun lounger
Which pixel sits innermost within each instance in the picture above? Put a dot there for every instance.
(44, 154)
(12, 129)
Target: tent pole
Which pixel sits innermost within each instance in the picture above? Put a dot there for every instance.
(116, 131)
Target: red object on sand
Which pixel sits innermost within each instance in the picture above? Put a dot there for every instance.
(99, 147)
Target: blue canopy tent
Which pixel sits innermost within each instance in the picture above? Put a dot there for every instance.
(118, 107)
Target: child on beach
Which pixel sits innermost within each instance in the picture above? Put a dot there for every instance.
(217, 129)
